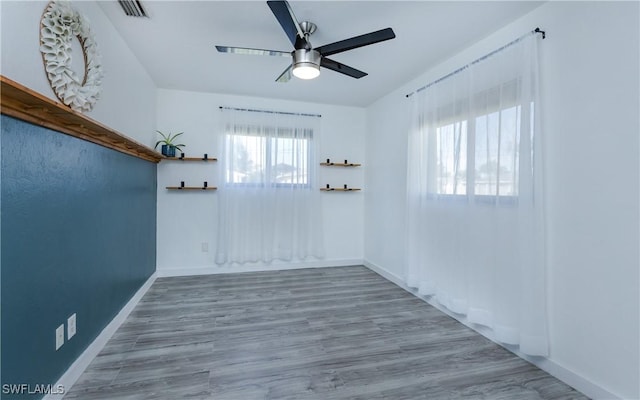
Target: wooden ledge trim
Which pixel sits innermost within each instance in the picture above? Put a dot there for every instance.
(20, 102)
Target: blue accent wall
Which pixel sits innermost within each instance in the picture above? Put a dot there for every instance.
(78, 235)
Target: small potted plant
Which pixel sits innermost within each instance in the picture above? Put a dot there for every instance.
(168, 144)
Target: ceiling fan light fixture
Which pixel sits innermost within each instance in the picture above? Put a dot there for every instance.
(306, 71)
(306, 64)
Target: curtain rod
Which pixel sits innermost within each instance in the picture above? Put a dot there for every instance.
(537, 30)
(270, 112)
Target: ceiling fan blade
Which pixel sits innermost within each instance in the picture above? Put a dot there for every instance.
(256, 52)
(285, 76)
(357, 41)
(284, 14)
(343, 69)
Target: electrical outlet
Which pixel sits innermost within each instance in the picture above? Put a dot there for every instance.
(205, 247)
(71, 326)
(59, 336)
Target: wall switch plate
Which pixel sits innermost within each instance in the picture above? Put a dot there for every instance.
(205, 247)
(59, 336)
(71, 326)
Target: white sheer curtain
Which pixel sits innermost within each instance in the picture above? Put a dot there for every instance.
(268, 208)
(475, 196)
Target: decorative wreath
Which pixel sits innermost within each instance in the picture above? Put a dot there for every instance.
(59, 25)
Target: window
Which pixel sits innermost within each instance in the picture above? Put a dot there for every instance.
(451, 150)
(276, 157)
(496, 153)
(479, 156)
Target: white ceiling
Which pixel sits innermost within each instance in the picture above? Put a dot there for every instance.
(176, 44)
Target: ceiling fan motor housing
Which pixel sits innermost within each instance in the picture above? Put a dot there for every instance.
(306, 59)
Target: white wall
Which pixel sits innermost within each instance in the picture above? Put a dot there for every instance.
(128, 93)
(187, 219)
(590, 82)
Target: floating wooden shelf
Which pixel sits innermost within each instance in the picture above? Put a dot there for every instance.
(20, 102)
(340, 164)
(191, 188)
(340, 189)
(189, 159)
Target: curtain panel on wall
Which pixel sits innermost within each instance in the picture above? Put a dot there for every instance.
(475, 196)
(268, 209)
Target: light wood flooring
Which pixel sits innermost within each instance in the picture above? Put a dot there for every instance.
(326, 333)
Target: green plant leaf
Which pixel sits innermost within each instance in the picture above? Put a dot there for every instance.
(163, 135)
(168, 139)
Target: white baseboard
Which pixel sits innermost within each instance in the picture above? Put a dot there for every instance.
(551, 367)
(275, 266)
(76, 369)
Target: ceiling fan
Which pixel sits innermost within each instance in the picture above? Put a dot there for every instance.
(306, 60)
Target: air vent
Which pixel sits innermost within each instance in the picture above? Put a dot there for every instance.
(132, 8)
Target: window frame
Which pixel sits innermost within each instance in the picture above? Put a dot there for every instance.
(470, 175)
(268, 147)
